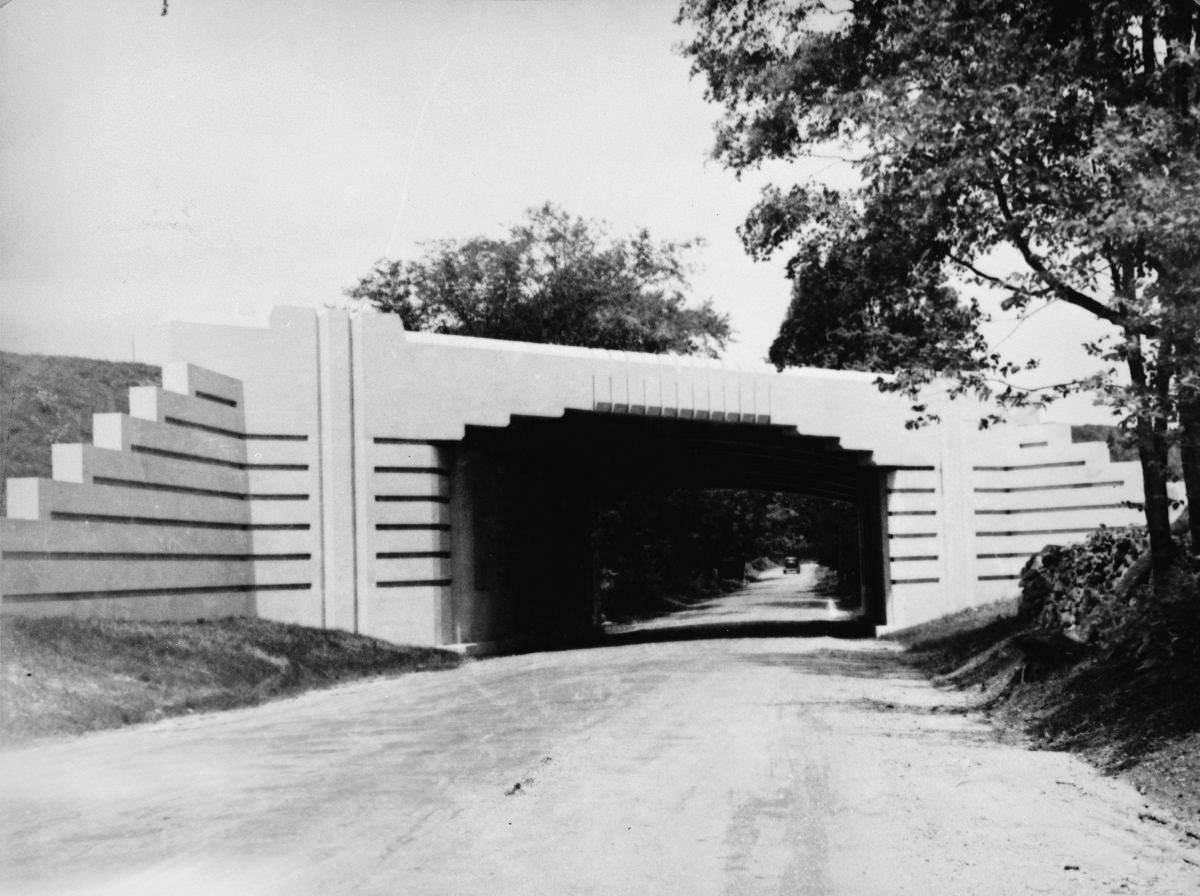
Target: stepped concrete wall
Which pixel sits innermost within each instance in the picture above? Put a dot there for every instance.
(315, 471)
(961, 528)
(175, 511)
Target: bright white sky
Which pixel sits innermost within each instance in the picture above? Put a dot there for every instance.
(240, 154)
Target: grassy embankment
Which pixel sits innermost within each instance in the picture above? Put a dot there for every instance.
(1088, 660)
(1130, 717)
(62, 676)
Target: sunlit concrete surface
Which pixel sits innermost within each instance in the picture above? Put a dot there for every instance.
(754, 766)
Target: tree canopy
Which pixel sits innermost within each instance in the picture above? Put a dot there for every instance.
(862, 299)
(553, 279)
(1062, 134)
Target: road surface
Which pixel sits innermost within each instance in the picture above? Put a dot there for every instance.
(722, 766)
(778, 601)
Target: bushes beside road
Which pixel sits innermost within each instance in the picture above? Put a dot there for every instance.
(1098, 593)
(1074, 588)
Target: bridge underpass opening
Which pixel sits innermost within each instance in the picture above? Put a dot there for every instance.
(665, 550)
(528, 497)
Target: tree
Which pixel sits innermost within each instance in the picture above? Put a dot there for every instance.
(554, 279)
(1063, 134)
(863, 298)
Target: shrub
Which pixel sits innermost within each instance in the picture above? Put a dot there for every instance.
(1074, 589)
(1159, 631)
(1071, 588)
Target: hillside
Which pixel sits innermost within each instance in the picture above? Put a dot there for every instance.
(47, 399)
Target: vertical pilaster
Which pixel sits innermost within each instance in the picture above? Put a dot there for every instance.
(338, 530)
(362, 503)
(956, 517)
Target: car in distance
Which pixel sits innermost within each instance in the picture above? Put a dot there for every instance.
(791, 564)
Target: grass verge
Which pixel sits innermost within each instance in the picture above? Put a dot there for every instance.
(1118, 714)
(63, 676)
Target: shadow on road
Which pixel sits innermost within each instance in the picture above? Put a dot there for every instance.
(844, 663)
(703, 631)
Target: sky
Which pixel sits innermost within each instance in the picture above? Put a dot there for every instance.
(235, 155)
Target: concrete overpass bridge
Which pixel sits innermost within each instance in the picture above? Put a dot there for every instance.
(338, 471)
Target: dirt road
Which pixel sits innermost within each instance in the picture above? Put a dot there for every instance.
(775, 765)
(778, 599)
